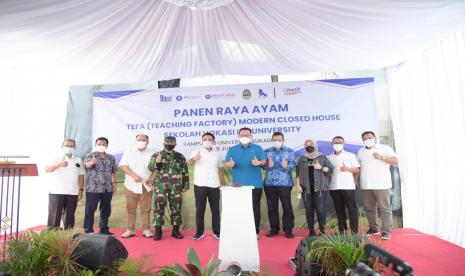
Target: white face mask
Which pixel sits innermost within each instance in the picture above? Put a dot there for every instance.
(141, 144)
(369, 143)
(278, 144)
(68, 150)
(338, 147)
(207, 144)
(101, 148)
(244, 140)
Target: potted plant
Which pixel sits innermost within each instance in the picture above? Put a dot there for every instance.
(194, 267)
(336, 253)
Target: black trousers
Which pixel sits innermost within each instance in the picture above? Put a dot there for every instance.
(59, 204)
(256, 199)
(274, 194)
(201, 196)
(343, 199)
(92, 201)
(315, 202)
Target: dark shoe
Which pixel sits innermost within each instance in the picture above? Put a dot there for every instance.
(385, 236)
(372, 231)
(197, 236)
(311, 233)
(272, 234)
(158, 234)
(289, 235)
(108, 233)
(322, 232)
(176, 234)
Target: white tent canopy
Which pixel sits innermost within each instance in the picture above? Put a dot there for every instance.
(105, 41)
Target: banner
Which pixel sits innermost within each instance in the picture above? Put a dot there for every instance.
(316, 110)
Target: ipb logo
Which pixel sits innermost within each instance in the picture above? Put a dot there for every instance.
(165, 99)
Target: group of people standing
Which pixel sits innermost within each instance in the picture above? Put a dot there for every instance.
(157, 179)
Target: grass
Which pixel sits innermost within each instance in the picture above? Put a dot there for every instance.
(118, 216)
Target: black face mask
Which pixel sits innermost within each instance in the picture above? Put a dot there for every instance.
(310, 149)
(169, 147)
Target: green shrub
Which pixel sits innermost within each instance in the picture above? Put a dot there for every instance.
(338, 252)
(44, 253)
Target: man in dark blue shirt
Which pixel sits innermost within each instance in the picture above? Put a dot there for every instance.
(246, 160)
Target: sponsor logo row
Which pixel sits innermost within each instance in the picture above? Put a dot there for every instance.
(246, 94)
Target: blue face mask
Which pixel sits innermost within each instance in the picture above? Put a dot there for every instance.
(68, 150)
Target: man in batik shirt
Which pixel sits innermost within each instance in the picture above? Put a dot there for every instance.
(171, 178)
(278, 185)
(101, 185)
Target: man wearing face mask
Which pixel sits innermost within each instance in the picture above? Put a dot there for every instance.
(375, 179)
(343, 185)
(312, 176)
(67, 181)
(101, 184)
(278, 185)
(246, 160)
(208, 176)
(171, 177)
(137, 185)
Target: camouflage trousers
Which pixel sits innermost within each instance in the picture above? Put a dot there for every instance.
(163, 197)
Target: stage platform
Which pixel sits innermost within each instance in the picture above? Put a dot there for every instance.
(427, 254)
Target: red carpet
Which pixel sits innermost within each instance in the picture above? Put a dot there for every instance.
(428, 255)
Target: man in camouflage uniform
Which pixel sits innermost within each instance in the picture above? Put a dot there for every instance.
(171, 178)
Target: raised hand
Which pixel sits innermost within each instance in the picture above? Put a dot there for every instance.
(256, 162)
(93, 161)
(230, 163)
(317, 165)
(63, 163)
(344, 168)
(270, 163)
(377, 156)
(158, 158)
(197, 157)
(284, 163)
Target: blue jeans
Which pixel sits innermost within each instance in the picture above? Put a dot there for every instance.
(92, 200)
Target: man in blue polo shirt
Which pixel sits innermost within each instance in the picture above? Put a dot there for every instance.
(246, 160)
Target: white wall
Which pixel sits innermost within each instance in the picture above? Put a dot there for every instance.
(33, 114)
(427, 95)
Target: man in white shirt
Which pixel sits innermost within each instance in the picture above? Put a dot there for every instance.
(67, 186)
(375, 160)
(137, 185)
(342, 187)
(208, 176)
